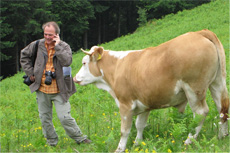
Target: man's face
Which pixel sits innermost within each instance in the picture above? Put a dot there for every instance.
(49, 34)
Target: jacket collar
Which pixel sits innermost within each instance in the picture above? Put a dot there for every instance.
(42, 46)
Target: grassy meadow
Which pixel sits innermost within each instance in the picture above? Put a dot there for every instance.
(96, 112)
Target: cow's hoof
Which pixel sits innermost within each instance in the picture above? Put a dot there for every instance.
(137, 142)
(118, 150)
(188, 140)
(223, 130)
(221, 136)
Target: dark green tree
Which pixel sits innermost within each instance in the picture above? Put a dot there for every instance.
(5, 44)
(21, 23)
(74, 16)
(159, 8)
(99, 8)
(142, 19)
(113, 19)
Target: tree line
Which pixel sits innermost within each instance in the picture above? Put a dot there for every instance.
(83, 23)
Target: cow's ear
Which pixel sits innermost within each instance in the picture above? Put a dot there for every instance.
(98, 53)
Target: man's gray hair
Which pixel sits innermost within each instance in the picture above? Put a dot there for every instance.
(54, 24)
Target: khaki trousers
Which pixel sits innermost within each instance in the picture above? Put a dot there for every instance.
(45, 105)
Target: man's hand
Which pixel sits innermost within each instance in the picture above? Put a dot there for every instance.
(56, 39)
(32, 78)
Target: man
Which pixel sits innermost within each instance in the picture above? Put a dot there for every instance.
(52, 81)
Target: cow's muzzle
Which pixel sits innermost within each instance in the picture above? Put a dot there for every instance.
(76, 81)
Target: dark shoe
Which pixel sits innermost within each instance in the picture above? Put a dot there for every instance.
(52, 142)
(86, 141)
(52, 145)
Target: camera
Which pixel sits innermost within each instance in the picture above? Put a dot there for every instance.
(27, 80)
(49, 75)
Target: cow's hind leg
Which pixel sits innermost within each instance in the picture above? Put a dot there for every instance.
(202, 110)
(140, 125)
(220, 96)
(198, 105)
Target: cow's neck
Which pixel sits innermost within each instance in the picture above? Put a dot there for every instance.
(107, 66)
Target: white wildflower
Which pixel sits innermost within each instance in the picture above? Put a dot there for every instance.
(221, 115)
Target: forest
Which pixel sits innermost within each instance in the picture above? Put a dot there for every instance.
(83, 23)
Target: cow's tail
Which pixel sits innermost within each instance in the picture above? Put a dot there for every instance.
(218, 87)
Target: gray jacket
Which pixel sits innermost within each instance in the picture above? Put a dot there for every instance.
(62, 58)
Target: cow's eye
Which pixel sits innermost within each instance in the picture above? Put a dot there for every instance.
(83, 63)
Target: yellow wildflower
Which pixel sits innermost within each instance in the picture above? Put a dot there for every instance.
(169, 150)
(146, 150)
(126, 150)
(173, 141)
(143, 143)
(153, 151)
(157, 136)
(103, 114)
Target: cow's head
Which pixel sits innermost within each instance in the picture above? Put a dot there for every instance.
(90, 72)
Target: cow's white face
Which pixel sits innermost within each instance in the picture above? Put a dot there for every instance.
(89, 72)
(84, 77)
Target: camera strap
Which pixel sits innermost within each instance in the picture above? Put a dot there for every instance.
(35, 52)
(25, 77)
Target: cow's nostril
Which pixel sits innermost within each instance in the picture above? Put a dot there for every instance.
(75, 80)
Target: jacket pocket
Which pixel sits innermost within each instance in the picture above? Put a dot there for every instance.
(68, 83)
(68, 80)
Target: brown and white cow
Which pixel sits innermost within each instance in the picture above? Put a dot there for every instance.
(169, 75)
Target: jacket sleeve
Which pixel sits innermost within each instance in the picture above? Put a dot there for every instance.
(63, 53)
(26, 59)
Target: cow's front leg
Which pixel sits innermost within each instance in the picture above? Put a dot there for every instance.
(126, 124)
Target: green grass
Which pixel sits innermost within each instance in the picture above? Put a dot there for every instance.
(95, 111)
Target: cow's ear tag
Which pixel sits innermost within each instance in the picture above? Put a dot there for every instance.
(99, 57)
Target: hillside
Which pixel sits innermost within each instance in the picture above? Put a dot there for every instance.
(95, 111)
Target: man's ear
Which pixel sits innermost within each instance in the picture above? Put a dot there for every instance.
(98, 53)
